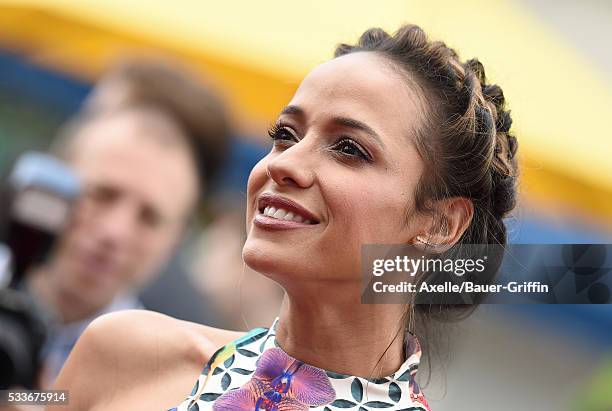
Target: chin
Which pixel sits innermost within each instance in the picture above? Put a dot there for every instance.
(258, 258)
(268, 260)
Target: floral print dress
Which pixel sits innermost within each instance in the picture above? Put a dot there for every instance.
(253, 373)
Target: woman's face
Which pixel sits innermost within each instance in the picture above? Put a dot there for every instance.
(343, 165)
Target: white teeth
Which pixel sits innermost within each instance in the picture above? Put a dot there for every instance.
(280, 214)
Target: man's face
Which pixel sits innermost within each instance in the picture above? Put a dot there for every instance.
(139, 186)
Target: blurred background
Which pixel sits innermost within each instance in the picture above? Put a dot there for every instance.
(552, 59)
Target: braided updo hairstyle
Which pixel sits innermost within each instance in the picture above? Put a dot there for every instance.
(464, 140)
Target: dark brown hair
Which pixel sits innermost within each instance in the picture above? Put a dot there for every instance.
(465, 139)
(195, 107)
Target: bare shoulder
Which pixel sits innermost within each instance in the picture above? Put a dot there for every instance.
(217, 336)
(125, 354)
(159, 333)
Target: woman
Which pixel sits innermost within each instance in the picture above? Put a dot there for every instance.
(394, 141)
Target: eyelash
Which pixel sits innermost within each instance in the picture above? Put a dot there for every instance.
(277, 129)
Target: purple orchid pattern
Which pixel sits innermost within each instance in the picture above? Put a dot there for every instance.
(279, 383)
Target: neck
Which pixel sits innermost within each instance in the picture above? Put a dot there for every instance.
(336, 332)
(67, 306)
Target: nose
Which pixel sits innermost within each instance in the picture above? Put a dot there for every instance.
(293, 166)
(116, 225)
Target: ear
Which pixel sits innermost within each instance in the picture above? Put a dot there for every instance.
(452, 217)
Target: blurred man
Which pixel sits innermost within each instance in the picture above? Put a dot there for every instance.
(142, 158)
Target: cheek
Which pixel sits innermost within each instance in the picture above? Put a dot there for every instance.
(257, 179)
(78, 230)
(147, 257)
(157, 246)
(369, 212)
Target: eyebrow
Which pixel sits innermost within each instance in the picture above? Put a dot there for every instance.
(294, 110)
(341, 121)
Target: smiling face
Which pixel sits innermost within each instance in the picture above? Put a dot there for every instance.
(343, 165)
(139, 187)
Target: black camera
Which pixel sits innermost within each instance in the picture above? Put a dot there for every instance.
(36, 200)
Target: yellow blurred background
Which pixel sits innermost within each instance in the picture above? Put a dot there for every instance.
(561, 98)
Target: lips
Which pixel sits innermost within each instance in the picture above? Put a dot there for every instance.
(282, 209)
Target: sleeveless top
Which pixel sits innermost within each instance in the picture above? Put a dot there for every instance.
(253, 373)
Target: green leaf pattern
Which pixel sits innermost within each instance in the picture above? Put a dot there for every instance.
(352, 393)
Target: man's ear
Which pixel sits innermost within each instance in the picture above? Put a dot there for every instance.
(452, 216)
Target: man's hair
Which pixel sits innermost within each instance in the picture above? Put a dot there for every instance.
(155, 84)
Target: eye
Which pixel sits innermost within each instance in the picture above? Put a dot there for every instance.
(350, 148)
(279, 132)
(150, 217)
(101, 194)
